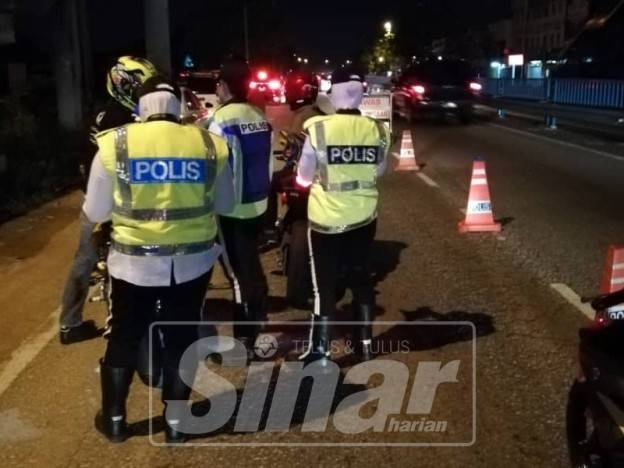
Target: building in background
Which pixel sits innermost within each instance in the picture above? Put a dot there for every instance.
(598, 51)
(542, 31)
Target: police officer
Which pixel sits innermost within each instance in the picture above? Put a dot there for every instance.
(341, 160)
(248, 134)
(301, 91)
(122, 83)
(162, 183)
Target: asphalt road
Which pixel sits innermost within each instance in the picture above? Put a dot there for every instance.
(560, 205)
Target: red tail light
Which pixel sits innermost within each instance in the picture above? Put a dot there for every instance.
(262, 75)
(253, 85)
(275, 85)
(419, 89)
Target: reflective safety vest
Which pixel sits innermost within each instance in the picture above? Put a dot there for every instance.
(164, 178)
(248, 134)
(348, 149)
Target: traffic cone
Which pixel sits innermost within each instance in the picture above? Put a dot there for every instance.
(479, 216)
(407, 158)
(613, 278)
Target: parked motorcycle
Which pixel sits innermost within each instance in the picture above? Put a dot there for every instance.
(292, 228)
(595, 409)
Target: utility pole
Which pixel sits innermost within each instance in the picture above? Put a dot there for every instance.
(69, 63)
(157, 37)
(246, 29)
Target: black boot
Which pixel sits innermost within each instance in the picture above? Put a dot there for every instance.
(111, 420)
(245, 333)
(87, 330)
(175, 396)
(364, 331)
(320, 345)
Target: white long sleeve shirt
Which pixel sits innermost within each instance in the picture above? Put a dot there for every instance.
(153, 271)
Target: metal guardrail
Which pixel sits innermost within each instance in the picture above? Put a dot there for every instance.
(592, 93)
(529, 89)
(598, 94)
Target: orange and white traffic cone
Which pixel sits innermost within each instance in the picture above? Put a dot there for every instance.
(613, 278)
(407, 158)
(479, 216)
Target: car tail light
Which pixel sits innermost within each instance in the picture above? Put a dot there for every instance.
(419, 89)
(253, 85)
(275, 85)
(262, 75)
(475, 86)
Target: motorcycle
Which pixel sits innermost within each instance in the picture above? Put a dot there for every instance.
(292, 228)
(595, 408)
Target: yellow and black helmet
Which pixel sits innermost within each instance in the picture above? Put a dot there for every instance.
(126, 77)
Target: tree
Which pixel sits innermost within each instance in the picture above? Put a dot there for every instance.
(384, 56)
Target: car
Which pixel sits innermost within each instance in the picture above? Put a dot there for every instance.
(437, 88)
(194, 110)
(204, 86)
(266, 87)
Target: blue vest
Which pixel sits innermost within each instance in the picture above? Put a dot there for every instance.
(248, 134)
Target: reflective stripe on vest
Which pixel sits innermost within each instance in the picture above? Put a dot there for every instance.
(122, 166)
(164, 176)
(249, 139)
(164, 215)
(341, 229)
(125, 190)
(169, 250)
(348, 150)
(322, 158)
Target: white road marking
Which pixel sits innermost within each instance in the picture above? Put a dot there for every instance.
(27, 352)
(427, 180)
(604, 154)
(569, 295)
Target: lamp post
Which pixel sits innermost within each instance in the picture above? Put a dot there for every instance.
(388, 28)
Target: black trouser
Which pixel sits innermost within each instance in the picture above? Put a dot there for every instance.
(336, 257)
(133, 310)
(240, 238)
(281, 181)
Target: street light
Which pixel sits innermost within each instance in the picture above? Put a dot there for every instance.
(326, 61)
(299, 59)
(381, 59)
(388, 27)
(305, 60)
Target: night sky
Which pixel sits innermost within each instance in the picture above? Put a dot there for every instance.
(338, 30)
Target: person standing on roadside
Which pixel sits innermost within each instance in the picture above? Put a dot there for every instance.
(342, 158)
(248, 134)
(162, 184)
(122, 83)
